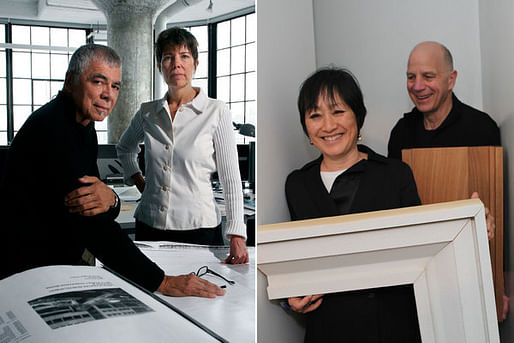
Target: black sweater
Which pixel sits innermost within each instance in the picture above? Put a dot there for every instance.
(384, 184)
(46, 158)
(365, 316)
(464, 126)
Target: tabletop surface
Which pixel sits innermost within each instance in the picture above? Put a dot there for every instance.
(231, 316)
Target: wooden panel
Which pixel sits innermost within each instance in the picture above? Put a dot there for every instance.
(447, 174)
(438, 175)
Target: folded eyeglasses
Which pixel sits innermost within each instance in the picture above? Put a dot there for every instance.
(205, 270)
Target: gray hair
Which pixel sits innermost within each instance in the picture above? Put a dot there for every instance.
(84, 55)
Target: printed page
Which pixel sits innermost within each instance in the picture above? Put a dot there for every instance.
(86, 304)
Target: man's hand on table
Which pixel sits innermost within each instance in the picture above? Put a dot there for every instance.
(189, 285)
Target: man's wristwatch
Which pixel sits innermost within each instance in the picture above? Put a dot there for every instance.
(116, 200)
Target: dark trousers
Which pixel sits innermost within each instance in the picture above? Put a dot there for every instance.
(206, 236)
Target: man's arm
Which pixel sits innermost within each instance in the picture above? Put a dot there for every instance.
(106, 240)
(394, 146)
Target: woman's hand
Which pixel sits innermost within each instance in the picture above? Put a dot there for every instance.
(305, 304)
(139, 181)
(238, 252)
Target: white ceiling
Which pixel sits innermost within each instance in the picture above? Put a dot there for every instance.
(85, 12)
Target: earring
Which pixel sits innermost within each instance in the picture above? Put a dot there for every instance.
(359, 137)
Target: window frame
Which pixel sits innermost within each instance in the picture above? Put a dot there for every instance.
(9, 47)
(212, 77)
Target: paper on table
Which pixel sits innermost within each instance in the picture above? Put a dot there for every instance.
(129, 193)
(231, 316)
(86, 304)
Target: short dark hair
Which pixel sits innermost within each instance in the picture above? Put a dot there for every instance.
(175, 36)
(84, 55)
(330, 81)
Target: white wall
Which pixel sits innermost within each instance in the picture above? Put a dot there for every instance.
(374, 38)
(285, 55)
(497, 46)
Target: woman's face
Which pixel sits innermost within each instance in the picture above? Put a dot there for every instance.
(177, 66)
(332, 127)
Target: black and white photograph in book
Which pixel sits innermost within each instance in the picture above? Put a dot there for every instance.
(72, 308)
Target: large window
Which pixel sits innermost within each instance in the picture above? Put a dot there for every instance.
(36, 59)
(227, 71)
(201, 77)
(236, 64)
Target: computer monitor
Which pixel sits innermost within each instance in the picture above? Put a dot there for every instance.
(251, 165)
(243, 152)
(109, 165)
(4, 149)
(246, 156)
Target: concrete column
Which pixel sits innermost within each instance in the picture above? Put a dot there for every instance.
(130, 33)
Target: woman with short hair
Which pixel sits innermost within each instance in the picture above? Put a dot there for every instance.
(188, 136)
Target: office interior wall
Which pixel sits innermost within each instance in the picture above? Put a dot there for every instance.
(374, 38)
(497, 48)
(285, 54)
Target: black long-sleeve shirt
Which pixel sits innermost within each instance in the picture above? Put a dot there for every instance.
(464, 126)
(373, 315)
(47, 157)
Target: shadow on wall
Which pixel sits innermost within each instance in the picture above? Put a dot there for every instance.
(506, 128)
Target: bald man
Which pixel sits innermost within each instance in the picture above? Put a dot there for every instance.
(439, 119)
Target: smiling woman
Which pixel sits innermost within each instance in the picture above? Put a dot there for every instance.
(332, 113)
(348, 178)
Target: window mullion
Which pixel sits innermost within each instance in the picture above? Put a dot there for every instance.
(9, 85)
(212, 56)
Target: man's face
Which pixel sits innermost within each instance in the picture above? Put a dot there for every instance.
(95, 92)
(429, 79)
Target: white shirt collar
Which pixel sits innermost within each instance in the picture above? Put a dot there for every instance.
(197, 104)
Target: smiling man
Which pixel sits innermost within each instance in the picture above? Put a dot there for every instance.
(439, 119)
(53, 205)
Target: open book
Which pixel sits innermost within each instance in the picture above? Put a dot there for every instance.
(88, 304)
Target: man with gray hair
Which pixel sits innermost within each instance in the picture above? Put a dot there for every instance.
(54, 206)
(439, 118)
